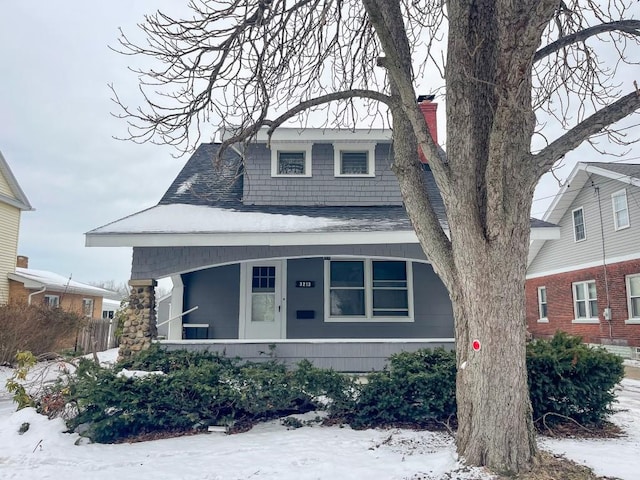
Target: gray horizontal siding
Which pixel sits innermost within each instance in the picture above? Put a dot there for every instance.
(565, 252)
(322, 188)
(361, 356)
(159, 262)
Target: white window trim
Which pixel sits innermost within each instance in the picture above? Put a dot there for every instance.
(631, 320)
(588, 318)
(57, 301)
(88, 300)
(620, 193)
(368, 293)
(584, 225)
(542, 319)
(291, 147)
(369, 147)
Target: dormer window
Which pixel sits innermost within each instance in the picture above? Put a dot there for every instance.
(290, 160)
(354, 160)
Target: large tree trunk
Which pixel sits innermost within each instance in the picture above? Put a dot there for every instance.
(494, 409)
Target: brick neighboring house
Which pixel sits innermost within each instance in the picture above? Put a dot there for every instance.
(31, 286)
(587, 282)
(301, 242)
(13, 202)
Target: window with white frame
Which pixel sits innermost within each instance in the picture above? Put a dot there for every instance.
(291, 160)
(368, 290)
(633, 296)
(620, 210)
(585, 301)
(542, 303)
(52, 301)
(354, 160)
(87, 307)
(579, 230)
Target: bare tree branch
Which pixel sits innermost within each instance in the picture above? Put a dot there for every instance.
(590, 126)
(631, 27)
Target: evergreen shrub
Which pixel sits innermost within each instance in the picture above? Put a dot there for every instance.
(568, 379)
(197, 389)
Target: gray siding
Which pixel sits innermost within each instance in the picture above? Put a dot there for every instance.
(432, 307)
(565, 252)
(362, 356)
(160, 262)
(322, 188)
(216, 293)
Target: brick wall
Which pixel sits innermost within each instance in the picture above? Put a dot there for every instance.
(560, 310)
(68, 301)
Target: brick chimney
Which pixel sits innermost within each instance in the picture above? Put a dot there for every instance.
(22, 262)
(428, 109)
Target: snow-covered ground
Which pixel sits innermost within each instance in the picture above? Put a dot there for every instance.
(271, 451)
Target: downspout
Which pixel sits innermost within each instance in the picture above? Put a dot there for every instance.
(44, 289)
(607, 310)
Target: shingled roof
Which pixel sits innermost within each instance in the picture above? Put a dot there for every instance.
(206, 198)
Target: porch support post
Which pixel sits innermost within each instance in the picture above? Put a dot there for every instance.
(139, 327)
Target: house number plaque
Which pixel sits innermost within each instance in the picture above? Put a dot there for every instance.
(305, 284)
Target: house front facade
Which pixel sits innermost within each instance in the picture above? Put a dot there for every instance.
(40, 287)
(13, 202)
(587, 282)
(299, 241)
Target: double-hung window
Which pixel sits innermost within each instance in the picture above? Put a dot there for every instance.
(585, 302)
(87, 307)
(354, 160)
(542, 304)
(52, 301)
(579, 230)
(290, 160)
(633, 298)
(368, 290)
(620, 210)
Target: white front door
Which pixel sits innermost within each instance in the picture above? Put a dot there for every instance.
(264, 310)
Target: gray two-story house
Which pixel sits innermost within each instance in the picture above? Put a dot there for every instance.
(301, 242)
(587, 282)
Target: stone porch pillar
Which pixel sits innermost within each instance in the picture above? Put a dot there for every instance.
(140, 322)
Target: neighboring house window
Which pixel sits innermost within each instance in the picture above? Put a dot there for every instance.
(620, 210)
(290, 160)
(585, 301)
(87, 307)
(633, 295)
(107, 314)
(369, 290)
(579, 231)
(354, 160)
(542, 303)
(52, 301)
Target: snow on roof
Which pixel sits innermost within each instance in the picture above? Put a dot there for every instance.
(54, 282)
(181, 218)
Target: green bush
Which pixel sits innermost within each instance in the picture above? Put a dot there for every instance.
(416, 388)
(568, 379)
(198, 389)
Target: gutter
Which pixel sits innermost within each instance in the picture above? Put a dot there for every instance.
(35, 293)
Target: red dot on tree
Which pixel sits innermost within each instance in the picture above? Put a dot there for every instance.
(476, 345)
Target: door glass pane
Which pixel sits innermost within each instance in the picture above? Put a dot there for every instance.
(264, 279)
(263, 307)
(347, 302)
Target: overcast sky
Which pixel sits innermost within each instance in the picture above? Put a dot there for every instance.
(56, 131)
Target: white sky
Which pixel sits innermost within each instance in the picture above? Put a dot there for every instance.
(56, 131)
